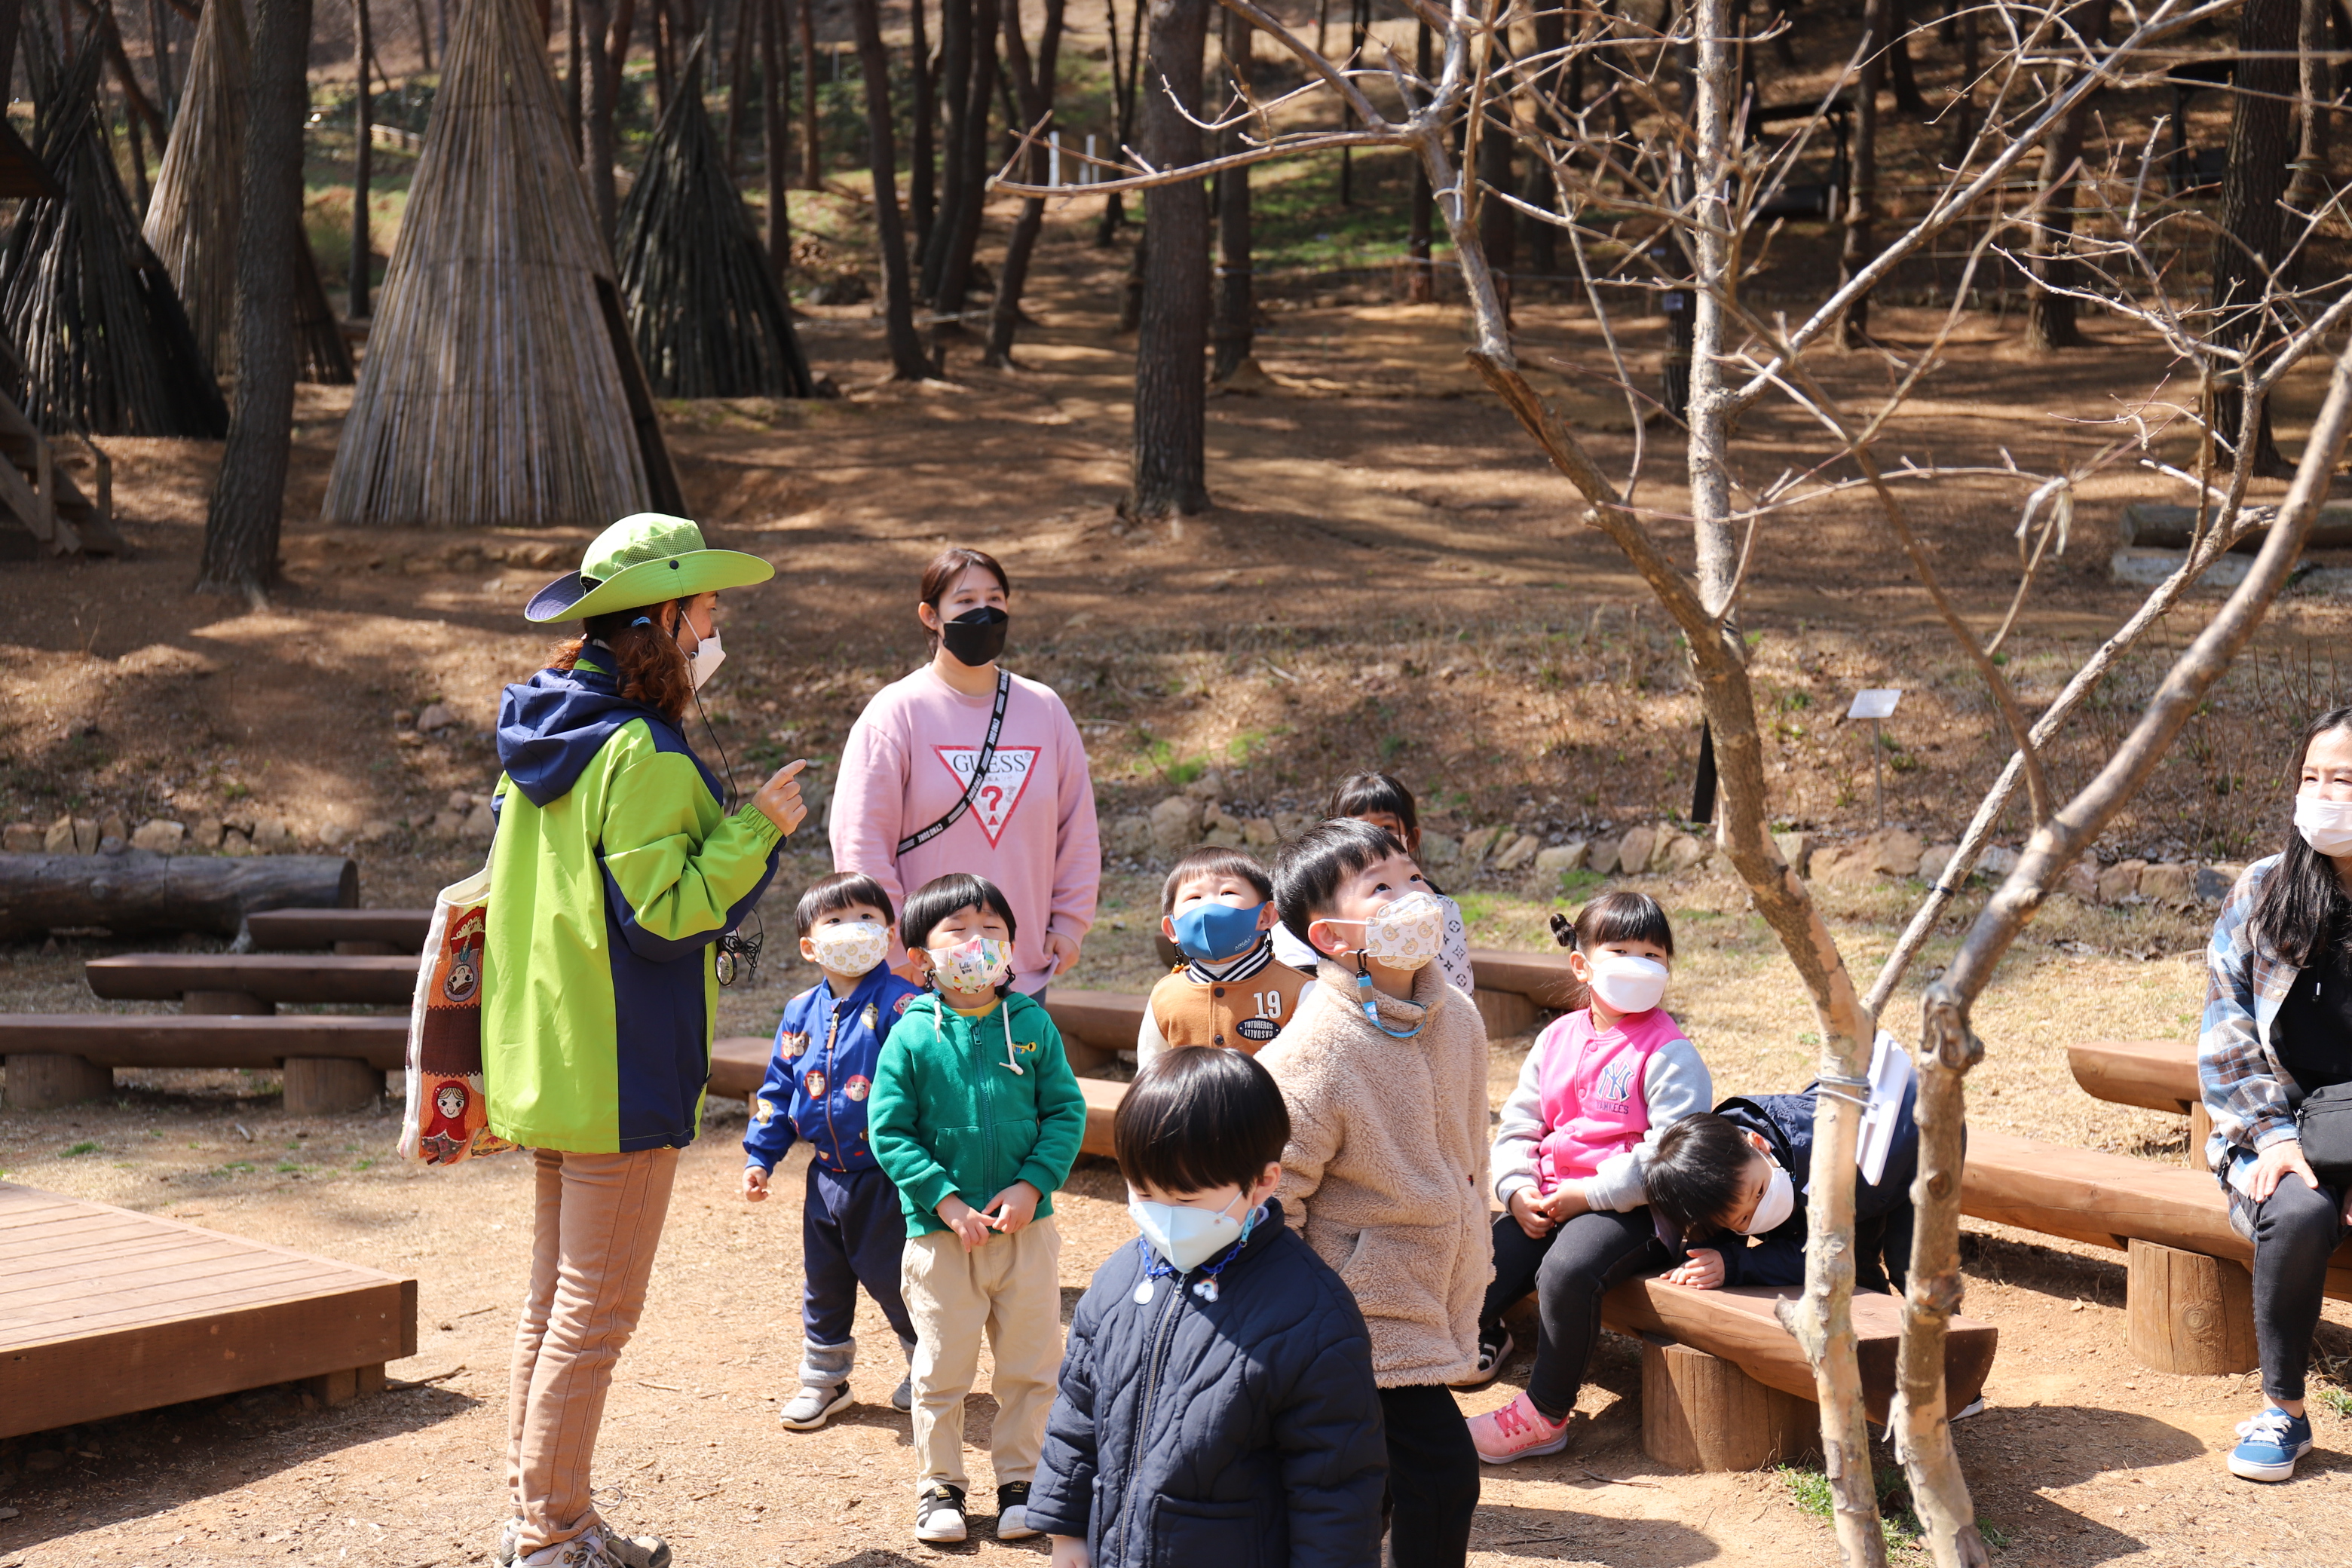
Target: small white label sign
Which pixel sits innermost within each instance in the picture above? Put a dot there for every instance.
(1876, 703)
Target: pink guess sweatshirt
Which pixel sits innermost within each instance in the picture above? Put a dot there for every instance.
(1031, 829)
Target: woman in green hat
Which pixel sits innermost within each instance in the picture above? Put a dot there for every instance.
(615, 871)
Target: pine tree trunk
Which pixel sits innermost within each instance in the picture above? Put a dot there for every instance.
(2252, 221)
(774, 51)
(812, 142)
(1033, 84)
(907, 362)
(922, 177)
(596, 125)
(1499, 224)
(739, 83)
(240, 551)
(424, 36)
(2049, 312)
(955, 99)
(1420, 278)
(1169, 463)
(1123, 72)
(1234, 329)
(1862, 189)
(363, 136)
(953, 287)
(2314, 97)
(575, 47)
(1898, 61)
(1550, 24)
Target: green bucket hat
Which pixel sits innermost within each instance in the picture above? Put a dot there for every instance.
(648, 559)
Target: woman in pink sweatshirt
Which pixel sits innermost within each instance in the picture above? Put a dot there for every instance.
(914, 800)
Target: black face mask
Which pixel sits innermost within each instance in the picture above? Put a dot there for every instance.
(976, 636)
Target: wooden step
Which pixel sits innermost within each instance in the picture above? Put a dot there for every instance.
(385, 980)
(171, 1040)
(283, 928)
(2158, 1073)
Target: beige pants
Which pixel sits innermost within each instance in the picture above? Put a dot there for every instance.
(1012, 1290)
(598, 1224)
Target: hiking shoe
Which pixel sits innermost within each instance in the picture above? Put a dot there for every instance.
(1517, 1431)
(510, 1534)
(813, 1407)
(1013, 1513)
(2268, 1445)
(595, 1548)
(938, 1514)
(902, 1398)
(1494, 1348)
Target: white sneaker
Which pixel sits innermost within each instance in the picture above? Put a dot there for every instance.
(813, 1407)
(938, 1515)
(1013, 1513)
(592, 1548)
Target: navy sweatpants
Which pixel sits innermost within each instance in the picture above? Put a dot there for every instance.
(851, 1234)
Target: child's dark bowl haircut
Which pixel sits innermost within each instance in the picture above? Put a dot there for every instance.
(841, 891)
(1368, 795)
(1212, 861)
(1621, 916)
(1198, 1119)
(1306, 876)
(1694, 1174)
(940, 897)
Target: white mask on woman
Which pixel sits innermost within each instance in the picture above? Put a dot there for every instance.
(704, 661)
(1627, 984)
(2325, 825)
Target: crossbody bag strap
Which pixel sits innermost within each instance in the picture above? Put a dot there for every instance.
(978, 770)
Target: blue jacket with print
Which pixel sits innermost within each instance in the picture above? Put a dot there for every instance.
(822, 1071)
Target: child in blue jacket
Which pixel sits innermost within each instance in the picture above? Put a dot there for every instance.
(1217, 1402)
(818, 1080)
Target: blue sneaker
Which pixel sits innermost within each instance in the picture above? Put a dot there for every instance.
(2268, 1445)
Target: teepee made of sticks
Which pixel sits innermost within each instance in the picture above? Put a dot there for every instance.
(704, 307)
(499, 387)
(191, 220)
(106, 346)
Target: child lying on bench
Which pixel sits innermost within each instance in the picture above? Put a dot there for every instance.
(1731, 1182)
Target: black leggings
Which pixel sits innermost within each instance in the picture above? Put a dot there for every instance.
(1570, 1270)
(2296, 1230)
(1433, 1492)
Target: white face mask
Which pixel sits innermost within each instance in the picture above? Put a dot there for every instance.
(1778, 1201)
(704, 661)
(1404, 934)
(852, 947)
(1186, 1237)
(2325, 825)
(1627, 983)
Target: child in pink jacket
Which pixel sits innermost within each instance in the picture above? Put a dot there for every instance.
(1599, 1087)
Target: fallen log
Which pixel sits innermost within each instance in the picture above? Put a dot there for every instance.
(140, 893)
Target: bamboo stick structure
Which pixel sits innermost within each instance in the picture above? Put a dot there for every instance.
(106, 346)
(705, 309)
(191, 220)
(496, 391)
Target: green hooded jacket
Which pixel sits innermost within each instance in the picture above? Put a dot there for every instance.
(949, 1116)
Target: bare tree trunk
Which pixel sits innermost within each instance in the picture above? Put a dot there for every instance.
(1124, 72)
(1898, 61)
(812, 141)
(2049, 310)
(1171, 461)
(1862, 188)
(158, 44)
(951, 291)
(907, 362)
(1421, 277)
(1034, 86)
(363, 137)
(922, 179)
(2250, 236)
(955, 97)
(1550, 27)
(1232, 331)
(240, 551)
(423, 37)
(2314, 99)
(596, 124)
(739, 82)
(774, 51)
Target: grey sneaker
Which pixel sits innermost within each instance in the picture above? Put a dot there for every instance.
(508, 1534)
(595, 1548)
(813, 1407)
(902, 1398)
(938, 1514)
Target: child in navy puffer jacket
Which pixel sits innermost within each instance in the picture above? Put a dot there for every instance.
(1217, 1403)
(815, 1092)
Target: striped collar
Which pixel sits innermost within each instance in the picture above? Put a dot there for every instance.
(1241, 968)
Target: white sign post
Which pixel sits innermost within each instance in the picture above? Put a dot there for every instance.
(1877, 704)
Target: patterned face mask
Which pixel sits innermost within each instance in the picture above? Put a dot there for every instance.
(853, 947)
(1406, 932)
(979, 964)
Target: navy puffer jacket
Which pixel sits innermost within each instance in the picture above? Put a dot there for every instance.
(1239, 1432)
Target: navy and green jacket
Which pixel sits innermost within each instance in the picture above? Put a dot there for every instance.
(613, 873)
(823, 1071)
(949, 1115)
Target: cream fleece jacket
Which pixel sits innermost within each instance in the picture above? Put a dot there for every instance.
(1386, 1170)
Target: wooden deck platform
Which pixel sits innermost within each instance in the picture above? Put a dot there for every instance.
(104, 1311)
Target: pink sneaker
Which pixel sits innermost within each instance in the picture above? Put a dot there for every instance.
(1517, 1431)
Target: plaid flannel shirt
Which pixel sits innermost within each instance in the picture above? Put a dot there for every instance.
(2251, 1096)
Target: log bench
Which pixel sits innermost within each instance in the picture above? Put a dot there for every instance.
(340, 930)
(2189, 1291)
(253, 982)
(2160, 1075)
(333, 1065)
(1725, 1386)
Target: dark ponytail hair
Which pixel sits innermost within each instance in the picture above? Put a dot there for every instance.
(2301, 908)
(651, 667)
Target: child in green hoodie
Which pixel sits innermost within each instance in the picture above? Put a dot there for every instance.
(977, 1118)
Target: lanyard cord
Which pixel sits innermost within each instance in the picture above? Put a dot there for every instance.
(1372, 1009)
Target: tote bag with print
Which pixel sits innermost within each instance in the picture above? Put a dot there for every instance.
(446, 1118)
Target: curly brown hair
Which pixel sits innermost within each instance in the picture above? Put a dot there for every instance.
(652, 667)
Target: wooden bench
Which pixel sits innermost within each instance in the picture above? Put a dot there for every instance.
(2189, 1291)
(103, 1311)
(340, 930)
(333, 1065)
(1725, 1386)
(2160, 1075)
(253, 982)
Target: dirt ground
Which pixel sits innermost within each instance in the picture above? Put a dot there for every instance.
(1391, 578)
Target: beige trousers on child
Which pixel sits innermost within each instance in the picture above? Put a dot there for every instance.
(1012, 1290)
(598, 1224)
